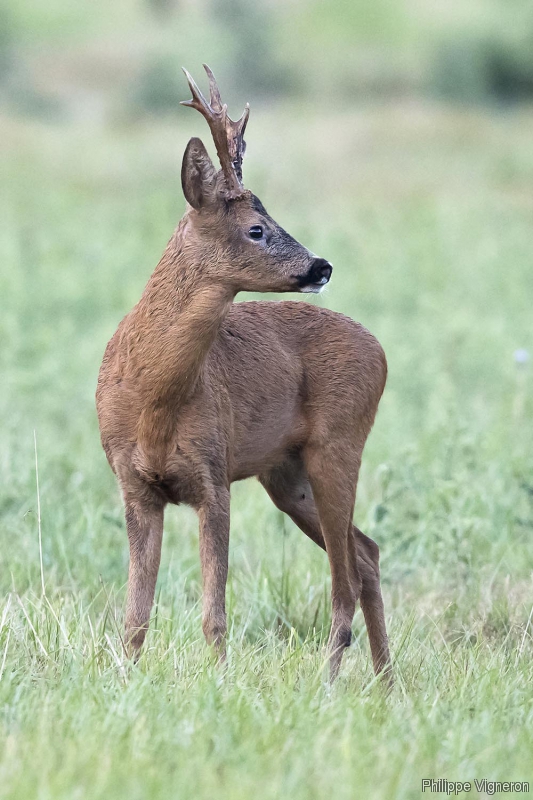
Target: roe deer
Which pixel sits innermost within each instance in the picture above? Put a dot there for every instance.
(195, 392)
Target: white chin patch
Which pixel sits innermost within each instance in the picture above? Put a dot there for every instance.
(313, 289)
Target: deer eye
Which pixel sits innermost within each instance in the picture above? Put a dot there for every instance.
(255, 232)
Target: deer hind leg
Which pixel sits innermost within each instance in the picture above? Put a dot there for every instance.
(290, 489)
(214, 547)
(372, 603)
(334, 495)
(144, 522)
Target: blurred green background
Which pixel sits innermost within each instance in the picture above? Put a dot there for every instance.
(118, 61)
(395, 139)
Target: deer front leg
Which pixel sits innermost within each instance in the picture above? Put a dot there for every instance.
(214, 546)
(144, 521)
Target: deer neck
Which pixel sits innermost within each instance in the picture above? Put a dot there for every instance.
(175, 324)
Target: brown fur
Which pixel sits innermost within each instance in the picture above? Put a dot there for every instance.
(195, 392)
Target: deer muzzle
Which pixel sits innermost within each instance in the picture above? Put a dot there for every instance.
(317, 277)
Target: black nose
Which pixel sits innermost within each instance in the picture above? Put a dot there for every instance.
(319, 272)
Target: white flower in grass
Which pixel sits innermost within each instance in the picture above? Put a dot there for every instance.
(521, 356)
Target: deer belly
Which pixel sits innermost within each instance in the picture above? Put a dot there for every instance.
(264, 439)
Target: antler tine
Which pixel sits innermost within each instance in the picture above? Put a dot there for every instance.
(216, 101)
(198, 100)
(227, 134)
(237, 134)
(241, 123)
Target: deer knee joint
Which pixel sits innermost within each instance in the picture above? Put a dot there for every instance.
(345, 638)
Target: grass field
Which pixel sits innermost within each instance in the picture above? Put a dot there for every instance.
(426, 215)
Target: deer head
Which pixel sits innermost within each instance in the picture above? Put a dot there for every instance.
(252, 252)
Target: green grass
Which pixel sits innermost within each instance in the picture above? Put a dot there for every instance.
(426, 216)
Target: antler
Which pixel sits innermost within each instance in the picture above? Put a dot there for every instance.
(227, 134)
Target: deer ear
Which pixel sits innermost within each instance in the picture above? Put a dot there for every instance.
(198, 175)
